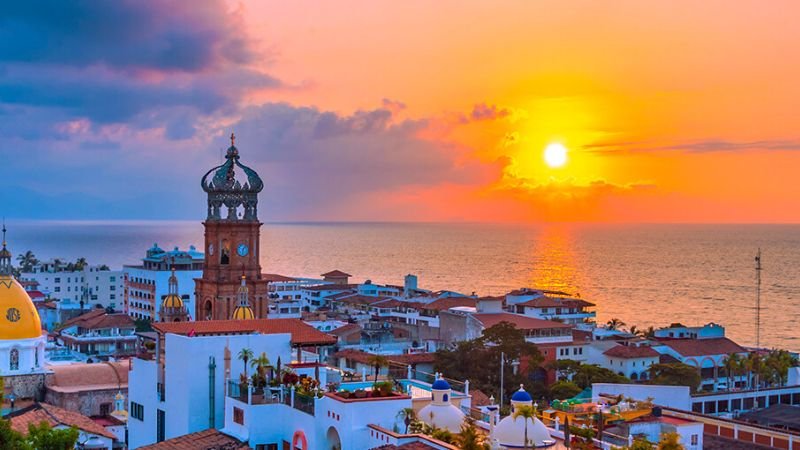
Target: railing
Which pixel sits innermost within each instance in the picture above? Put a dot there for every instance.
(270, 396)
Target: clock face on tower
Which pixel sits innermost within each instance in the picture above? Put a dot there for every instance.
(211, 249)
(242, 250)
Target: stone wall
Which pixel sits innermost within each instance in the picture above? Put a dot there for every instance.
(25, 386)
(85, 402)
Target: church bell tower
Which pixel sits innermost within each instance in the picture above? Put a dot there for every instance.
(232, 232)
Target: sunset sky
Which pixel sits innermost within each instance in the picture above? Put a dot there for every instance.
(420, 111)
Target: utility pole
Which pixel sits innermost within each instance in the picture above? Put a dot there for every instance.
(758, 299)
(502, 375)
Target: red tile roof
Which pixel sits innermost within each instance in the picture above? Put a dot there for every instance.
(522, 322)
(701, 347)
(34, 295)
(55, 416)
(556, 302)
(446, 303)
(302, 333)
(88, 377)
(210, 439)
(273, 277)
(329, 287)
(631, 351)
(98, 318)
(406, 358)
(347, 329)
(336, 274)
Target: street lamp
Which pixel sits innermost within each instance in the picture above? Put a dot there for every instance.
(11, 398)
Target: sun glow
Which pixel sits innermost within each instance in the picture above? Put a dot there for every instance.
(555, 155)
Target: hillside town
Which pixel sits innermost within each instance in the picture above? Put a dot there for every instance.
(189, 348)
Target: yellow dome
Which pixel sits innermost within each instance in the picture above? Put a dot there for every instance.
(172, 301)
(243, 313)
(18, 317)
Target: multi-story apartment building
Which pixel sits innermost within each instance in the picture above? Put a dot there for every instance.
(92, 285)
(146, 284)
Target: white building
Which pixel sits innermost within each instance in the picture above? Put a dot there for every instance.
(631, 361)
(92, 285)
(147, 284)
(678, 331)
(183, 390)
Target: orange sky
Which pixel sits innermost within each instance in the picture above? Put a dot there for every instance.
(671, 111)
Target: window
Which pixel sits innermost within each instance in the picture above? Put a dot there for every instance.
(58, 289)
(105, 409)
(14, 360)
(36, 357)
(137, 411)
(113, 287)
(694, 439)
(113, 279)
(112, 296)
(238, 416)
(160, 419)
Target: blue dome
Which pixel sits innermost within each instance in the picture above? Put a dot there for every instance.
(440, 385)
(521, 396)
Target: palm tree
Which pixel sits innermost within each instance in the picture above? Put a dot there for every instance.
(754, 368)
(635, 331)
(732, 363)
(80, 264)
(650, 332)
(408, 415)
(526, 412)
(261, 363)
(27, 260)
(614, 324)
(377, 361)
(469, 438)
(245, 355)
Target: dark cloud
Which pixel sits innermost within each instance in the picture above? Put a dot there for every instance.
(145, 64)
(123, 34)
(482, 111)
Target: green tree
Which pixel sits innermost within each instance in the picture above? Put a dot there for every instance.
(377, 362)
(527, 413)
(44, 437)
(469, 438)
(564, 389)
(592, 373)
(564, 368)
(479, 360)
(245, 355)
(675, 374)
(670, 441)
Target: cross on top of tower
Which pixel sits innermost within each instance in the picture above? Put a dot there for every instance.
(233, 139)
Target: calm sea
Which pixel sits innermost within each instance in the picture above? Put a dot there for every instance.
(643, 274)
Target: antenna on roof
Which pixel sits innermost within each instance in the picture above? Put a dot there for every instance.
(758, 298)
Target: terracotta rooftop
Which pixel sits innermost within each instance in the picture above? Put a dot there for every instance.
(55, 416)
(631, 351)
(302, 333)
(522, 322)
(211, 439)
(701, 347)
(97, 319)
(336, 274)
(446, 303)
(349, 328)
(273, 277)
(88, 377)
(406, 358)
(556, 302)
(329, 287)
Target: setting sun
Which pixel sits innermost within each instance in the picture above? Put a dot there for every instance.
(555, 155)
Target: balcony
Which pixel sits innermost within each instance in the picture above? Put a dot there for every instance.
(280, 395)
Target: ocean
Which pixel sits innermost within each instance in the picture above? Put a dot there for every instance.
(642, 274)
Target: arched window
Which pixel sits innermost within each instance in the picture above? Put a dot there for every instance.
(14, 361)
(444, 398)
(36, 357)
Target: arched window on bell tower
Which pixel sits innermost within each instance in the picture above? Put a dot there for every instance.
(225, 253)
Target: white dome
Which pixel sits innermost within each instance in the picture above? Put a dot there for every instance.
(510, 433)
(447, 416)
